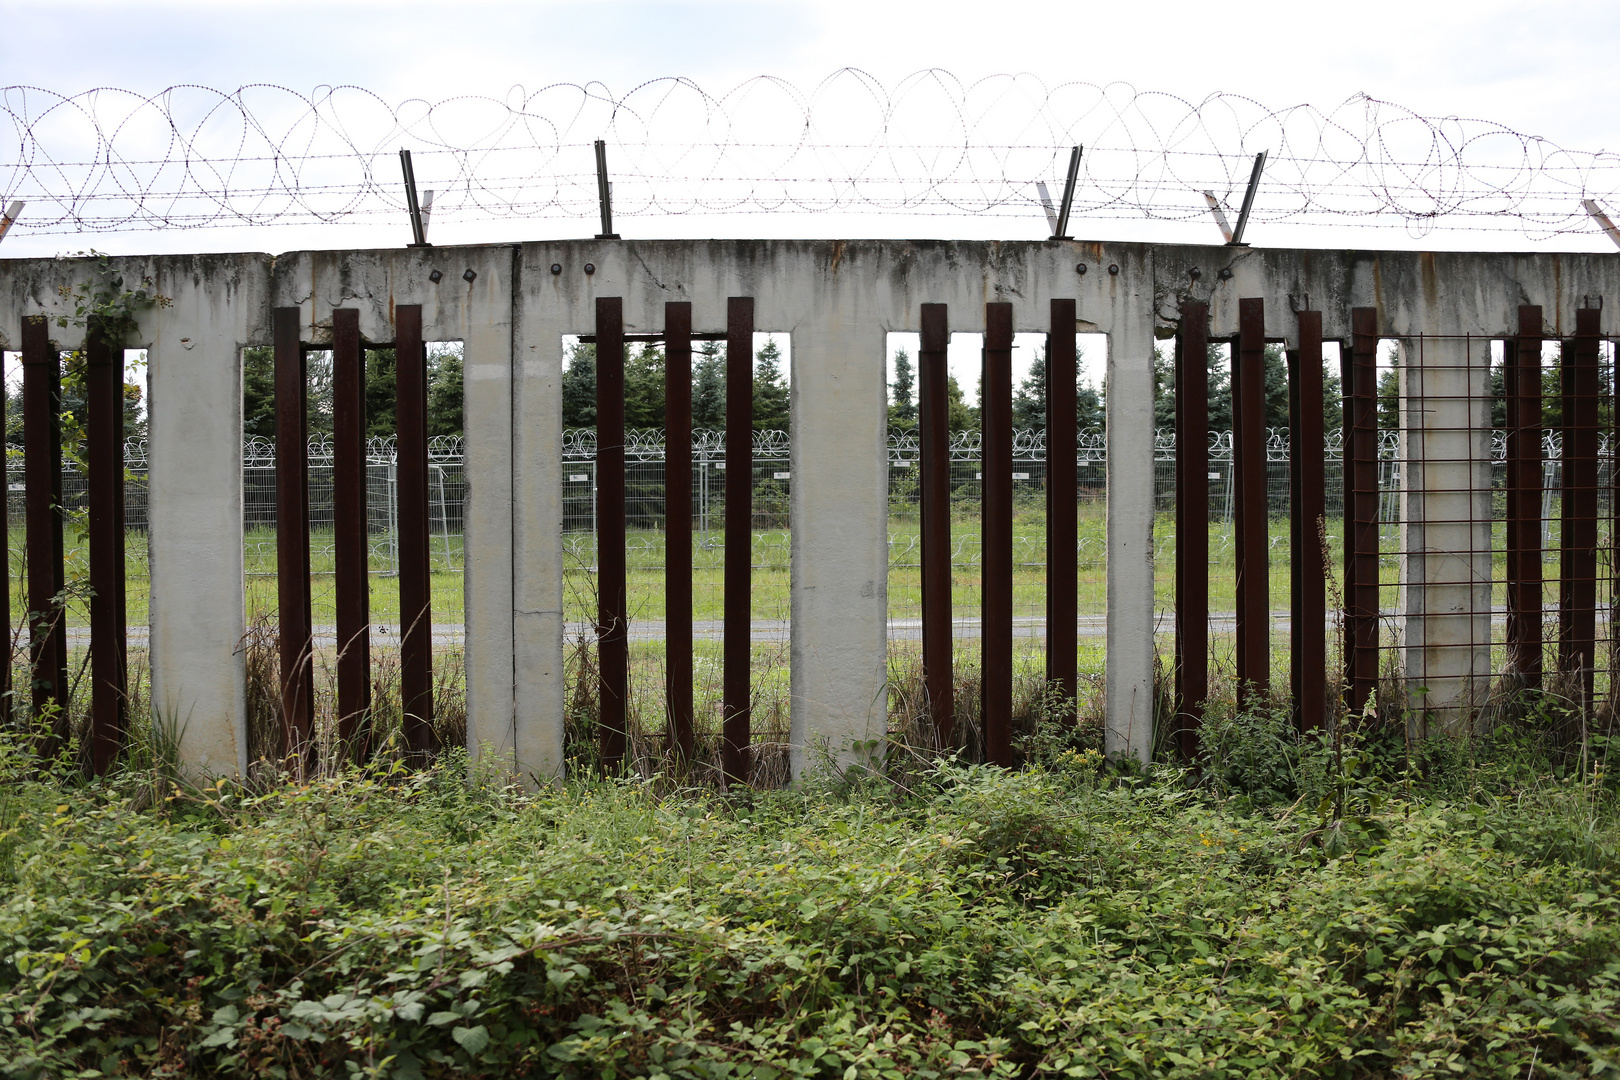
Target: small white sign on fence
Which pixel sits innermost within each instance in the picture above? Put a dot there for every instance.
(780, 476)
(577, 478)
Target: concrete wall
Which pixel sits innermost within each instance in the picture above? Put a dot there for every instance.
(837, 300)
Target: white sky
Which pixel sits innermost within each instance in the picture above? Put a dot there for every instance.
(1546, 69)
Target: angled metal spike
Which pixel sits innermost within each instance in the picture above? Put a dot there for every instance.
(1061, 232)
(1248, 199)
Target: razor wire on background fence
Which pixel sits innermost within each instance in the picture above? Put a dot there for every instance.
(190, 157)
(645, 506)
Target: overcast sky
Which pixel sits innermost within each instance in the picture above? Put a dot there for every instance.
(1547, 69)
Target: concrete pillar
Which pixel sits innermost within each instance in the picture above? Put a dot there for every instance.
(840, 545)
(1446, 528)
(194, 509)
(1128, 728)
(536, 522)
(487, 545)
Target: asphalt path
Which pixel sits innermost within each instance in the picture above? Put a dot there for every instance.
(774, 631)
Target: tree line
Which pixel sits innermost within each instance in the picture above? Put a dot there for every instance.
(444, 392)
(644, 387)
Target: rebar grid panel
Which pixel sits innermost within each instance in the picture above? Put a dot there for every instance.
(1578, 505)
(678, 701)
(612, 605)
(415, 593)
(1062, 524)
(1253, 548)
(295, 631)
(1523, 484)
(996, 525)
(1308, 528)
(737, 648)
(1359, 379)
(42, 447)
(1445, 529)
(350, 525)
(109, 672)
(934, 461)
(1192, 524)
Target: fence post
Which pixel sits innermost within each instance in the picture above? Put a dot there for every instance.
(109, 693)
(351, 534)
(1192, 524)
(934, 465)
(415, 570)
(737, 648)
(42, 464)
(1522, 390)
(1361, 495)
(1131, 690)
(1307, 518)
(678, 526)
(1251, 528)
(995, 643)
(1446, 487)
(1062, 511)
(612, 609)
(1577, 601)
(296, 637)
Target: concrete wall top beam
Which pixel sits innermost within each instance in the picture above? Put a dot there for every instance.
(885, 281)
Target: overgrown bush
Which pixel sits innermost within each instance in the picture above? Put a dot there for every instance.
(1068, 919)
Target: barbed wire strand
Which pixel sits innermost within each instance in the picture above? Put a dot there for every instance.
(192, 157)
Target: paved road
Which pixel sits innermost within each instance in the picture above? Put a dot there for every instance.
(769, 631)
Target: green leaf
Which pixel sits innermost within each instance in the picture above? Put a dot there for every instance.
(471, 1039)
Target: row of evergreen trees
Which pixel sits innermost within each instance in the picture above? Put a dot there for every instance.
(644, 387)
(444, 392)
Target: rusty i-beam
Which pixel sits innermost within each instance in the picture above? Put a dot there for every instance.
(612, 601)
(415, 568)
(1521, 377)
(109, 672)
(295, 630)
(1192, 524)
(1251, 524)
(1360, 382)
(42, 464)
(1577, 608)
(678, 526)
(737, 646)
(934, 466)
(1307, 515)
(996, 542)
(1062, 511)
(351, 547)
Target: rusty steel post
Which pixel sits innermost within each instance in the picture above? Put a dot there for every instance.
(295, 630)
(42, 464)
(1577, 608)
(415, 595)
(934, 465)
(737, 647)
(1192, 524)
(109, 671)
(678, 526)
(1360, 382)
(612, 601)
(1521, 377)
(1252, 513)
(1062, 511)
(1307, 518)
(351, 542)
(996, 545)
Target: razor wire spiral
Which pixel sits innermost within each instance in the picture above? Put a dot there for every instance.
(190, 157)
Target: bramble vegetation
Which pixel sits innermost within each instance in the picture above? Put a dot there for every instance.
(1314, 909)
